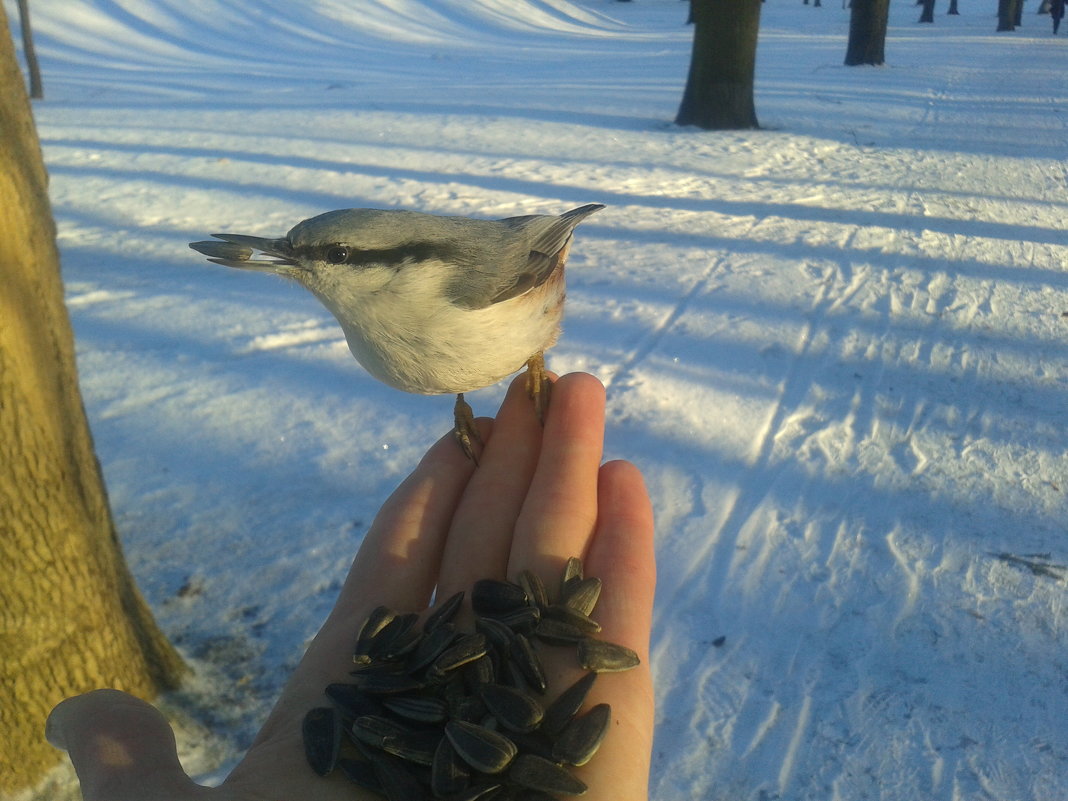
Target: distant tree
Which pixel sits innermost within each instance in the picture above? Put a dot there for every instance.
(1009, 14)
(71, 618)
(953, 8)
(719, 88)
(927, 15)
(868, 20)
(36, 87)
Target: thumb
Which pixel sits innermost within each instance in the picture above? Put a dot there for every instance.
(122, 748)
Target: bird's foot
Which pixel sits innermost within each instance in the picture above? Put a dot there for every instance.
(539, 387)
(465, 430)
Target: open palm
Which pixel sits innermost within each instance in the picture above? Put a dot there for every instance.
(539, 496)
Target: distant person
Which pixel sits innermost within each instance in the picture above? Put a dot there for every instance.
(1056, 12)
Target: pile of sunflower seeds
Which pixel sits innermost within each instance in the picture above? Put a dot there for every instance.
(436, 713)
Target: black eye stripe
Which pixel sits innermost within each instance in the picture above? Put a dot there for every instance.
(387, 257)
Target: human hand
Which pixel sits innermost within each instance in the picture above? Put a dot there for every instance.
(539, 496)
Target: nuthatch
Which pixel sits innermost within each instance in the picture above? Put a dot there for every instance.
(429, 304)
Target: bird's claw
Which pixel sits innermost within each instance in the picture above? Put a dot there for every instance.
(464, 429)
(539, 387)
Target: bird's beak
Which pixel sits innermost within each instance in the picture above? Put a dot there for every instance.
(235, 250)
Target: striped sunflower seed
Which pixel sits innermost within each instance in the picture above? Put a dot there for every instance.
(579, 741)
(481, 748)
(606, 657)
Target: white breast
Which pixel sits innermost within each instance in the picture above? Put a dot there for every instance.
(407, 335)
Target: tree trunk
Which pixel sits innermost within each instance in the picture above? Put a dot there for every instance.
(953, 8)
(71, 618)
(868, 20)
(1007, 14)
(927, 15)
(719, 88)
(36, 88)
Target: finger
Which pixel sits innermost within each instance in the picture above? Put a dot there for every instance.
(399, 561)
(397, 566)
(560, 510)
(621, 554)
(121, 747)
(481, 534)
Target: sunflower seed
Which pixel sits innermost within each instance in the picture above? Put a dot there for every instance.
(447, 772)
(379, 618)
(515, 710)
(322, 738)
(560, 712)
(557, 632)
(433, 711)
(413, 746)
(422, 709)
(482, 792)
(483, 749)
(573, 617)
(352, 702)
(541, 774)
(396, 638)
(445, 612)
(525, 659)
(360, 772)
(522, 618)
(386, 683)
(582, 595)
(606, 657)
(579, 741)
(534, 742)
(466, 649)
(534, 587)
(398, 783)
(373, 729)
(490, 595)
(431, 646)
(572, 575)
(495, 632)
(479, 672)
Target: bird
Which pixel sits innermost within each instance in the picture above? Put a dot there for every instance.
(429, 304)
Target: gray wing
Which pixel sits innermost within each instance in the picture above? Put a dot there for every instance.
(528, 260)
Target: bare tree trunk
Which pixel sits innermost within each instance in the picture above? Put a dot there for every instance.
(1008, 11)
(868, 21)
(719, 88)
(927, 15)
(71, 618)
(36, 88)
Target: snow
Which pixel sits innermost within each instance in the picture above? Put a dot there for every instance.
(835, 346)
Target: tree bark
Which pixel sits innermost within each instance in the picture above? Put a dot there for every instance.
(868, 20)
(71, 618)
(36, 87)
(719, 88)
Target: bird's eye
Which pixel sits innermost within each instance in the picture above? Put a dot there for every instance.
(338, 254)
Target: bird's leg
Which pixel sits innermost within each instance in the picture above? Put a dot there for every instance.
(464, 428)
(539, 386)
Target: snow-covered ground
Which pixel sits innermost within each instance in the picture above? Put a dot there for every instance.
(835, 346)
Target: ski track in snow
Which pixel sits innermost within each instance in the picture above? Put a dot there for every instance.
(835, 347)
